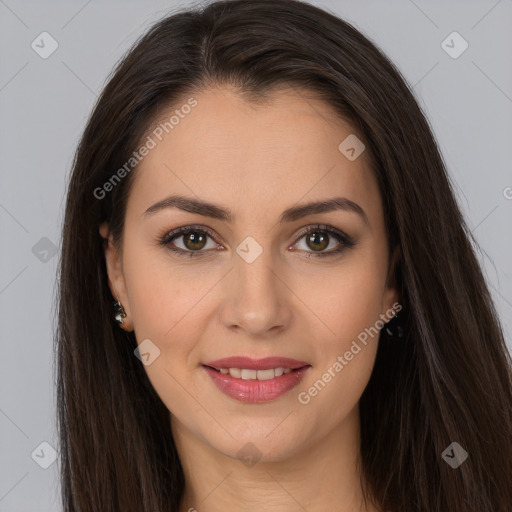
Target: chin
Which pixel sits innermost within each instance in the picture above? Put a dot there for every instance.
(267, 439)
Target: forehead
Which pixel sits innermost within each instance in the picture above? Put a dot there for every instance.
(236, 153)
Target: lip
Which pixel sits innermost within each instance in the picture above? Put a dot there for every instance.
(256, 364)
(256, 391)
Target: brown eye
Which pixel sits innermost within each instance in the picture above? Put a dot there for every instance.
(318, 238)
(194, 240)
(189, 241)
(317, 241)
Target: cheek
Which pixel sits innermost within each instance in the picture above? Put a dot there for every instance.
(343, 300)
(161, 292)
(163, 303)
(348, 303)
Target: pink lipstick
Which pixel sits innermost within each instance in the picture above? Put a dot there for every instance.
(256, 380)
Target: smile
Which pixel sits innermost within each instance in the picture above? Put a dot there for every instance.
(247, 374)
(255, 381)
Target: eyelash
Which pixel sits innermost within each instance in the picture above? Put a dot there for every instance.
(345, 241)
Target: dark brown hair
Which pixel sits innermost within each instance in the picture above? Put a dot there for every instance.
(449, 380)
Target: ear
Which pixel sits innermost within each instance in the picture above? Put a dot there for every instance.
(116, 281)
(391, 293)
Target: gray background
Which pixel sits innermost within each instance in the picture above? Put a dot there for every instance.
(45, 104)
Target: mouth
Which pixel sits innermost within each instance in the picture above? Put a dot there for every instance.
(249, 374)
(251, 381)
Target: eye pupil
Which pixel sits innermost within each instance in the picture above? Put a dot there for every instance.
(316, 238)
(195, 238)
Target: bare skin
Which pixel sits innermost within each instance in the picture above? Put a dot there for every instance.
(257, 161)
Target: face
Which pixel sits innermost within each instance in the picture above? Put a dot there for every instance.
(256, 284)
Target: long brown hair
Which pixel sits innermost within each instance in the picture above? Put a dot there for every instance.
(450, 378)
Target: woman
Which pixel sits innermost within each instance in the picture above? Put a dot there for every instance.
(268, 295)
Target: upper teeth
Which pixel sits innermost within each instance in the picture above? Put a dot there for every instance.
(242, 373)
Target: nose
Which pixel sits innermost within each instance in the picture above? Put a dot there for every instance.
(257, 300)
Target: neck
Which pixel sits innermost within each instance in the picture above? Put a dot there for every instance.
(319, 477)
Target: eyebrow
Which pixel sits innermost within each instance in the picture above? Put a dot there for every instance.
(289, 215)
